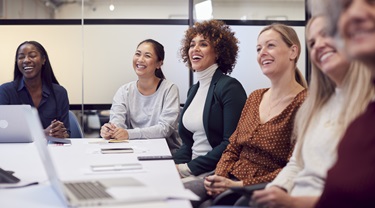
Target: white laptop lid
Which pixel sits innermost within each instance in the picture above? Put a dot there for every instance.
(33, 122)
(13, 124)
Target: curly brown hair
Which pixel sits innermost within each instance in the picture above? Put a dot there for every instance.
(222, 39)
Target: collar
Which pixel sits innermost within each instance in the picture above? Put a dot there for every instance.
(45, 90)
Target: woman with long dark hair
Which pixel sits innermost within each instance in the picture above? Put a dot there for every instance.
(35, 84)
(148, 107)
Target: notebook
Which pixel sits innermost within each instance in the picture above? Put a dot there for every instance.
(13, 125)
(88, 192)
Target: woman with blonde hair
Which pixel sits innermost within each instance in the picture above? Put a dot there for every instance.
(261, 144)
(339, 92)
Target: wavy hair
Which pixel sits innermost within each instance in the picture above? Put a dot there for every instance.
(221, 38)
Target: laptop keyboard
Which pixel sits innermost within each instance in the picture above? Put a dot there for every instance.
(88, 190)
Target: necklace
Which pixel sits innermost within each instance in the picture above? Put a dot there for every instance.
(278, 102)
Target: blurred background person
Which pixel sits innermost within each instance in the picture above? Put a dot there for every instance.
(350, 182)
(338, 93)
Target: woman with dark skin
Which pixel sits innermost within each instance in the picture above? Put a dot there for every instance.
(35, 84)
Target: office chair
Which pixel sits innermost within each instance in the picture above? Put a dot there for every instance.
(75, 128)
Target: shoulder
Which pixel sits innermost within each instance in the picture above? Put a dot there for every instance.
(58, 89)
(256, 94)
(8, 85)
(301, 96)
(225, 80)
(168, 84)
(227, 83)
(130, 86)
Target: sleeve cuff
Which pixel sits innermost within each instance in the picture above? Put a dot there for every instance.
(285, 184)
(134, 133)
(184, 170)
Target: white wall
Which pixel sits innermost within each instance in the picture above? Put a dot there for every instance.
(109, 51)
(247, 70)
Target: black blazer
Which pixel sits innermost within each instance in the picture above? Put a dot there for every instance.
(222, 110)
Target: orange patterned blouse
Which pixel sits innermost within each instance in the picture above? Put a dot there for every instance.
(257, 152)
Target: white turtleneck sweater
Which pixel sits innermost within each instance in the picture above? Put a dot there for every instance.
(193, 117)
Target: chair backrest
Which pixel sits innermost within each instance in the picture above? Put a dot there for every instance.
(75, 128)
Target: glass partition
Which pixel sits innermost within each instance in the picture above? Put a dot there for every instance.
(91, 42)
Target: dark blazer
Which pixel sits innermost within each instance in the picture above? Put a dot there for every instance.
(222, 110)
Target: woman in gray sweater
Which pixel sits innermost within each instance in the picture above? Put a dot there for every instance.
(149, 107)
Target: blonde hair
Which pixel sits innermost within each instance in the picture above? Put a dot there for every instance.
(290, 38)
(357, 91)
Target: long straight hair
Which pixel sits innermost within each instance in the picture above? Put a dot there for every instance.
(357, 92)
(47, 75)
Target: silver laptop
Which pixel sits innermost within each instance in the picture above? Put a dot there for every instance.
(88, 192)
(13, 125)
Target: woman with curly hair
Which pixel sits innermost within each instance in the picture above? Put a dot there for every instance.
(214, 104)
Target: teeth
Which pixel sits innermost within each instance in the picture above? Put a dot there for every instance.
(266, 62)
(197, 57)
(325, 56)
(141, 66)
(27, 67)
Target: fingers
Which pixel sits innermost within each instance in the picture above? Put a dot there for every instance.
(215, 185)
(261, 198)
(120, 134)
(57, 129)
(107, 130)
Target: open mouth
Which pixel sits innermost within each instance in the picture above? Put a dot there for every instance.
(140, 66)
(27, 68)
(197, 58)
(266, 62)
(325, 56)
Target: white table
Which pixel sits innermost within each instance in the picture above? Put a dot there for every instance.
(73, 163)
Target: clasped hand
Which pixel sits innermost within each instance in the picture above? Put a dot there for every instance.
(216, 185)
(111, 131)
(56, 129)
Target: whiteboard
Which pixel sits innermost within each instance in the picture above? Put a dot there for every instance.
(93, 61)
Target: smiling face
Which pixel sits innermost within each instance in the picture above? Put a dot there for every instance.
(30, 61)
(274, 56)
(201, 53)
(323, 52)
(357, 27)
(145, 60)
